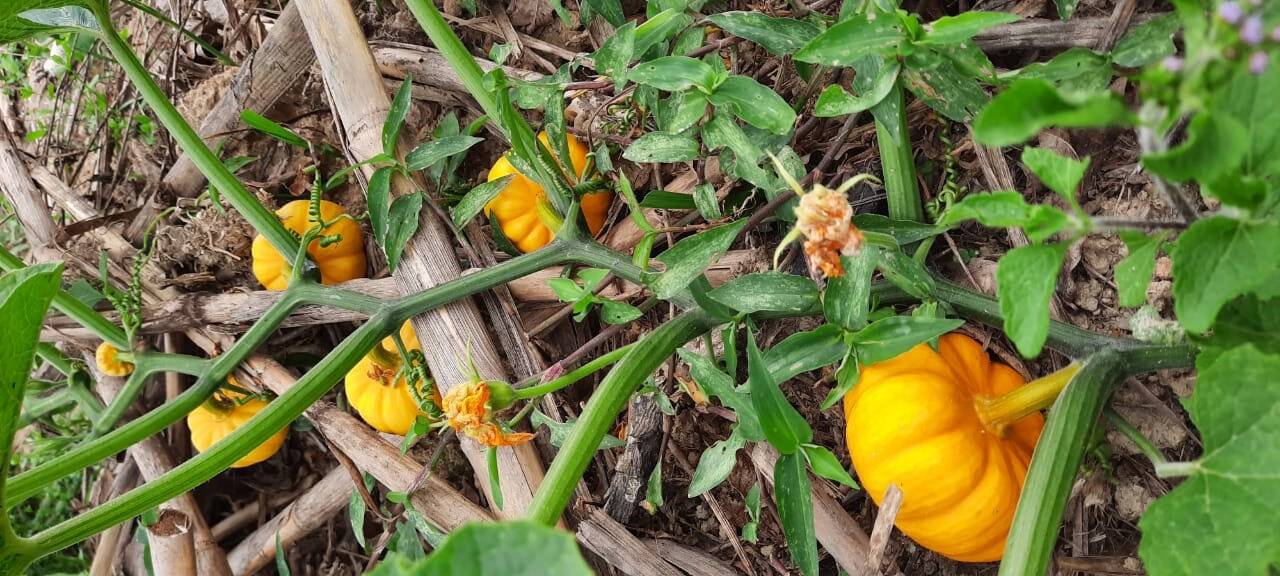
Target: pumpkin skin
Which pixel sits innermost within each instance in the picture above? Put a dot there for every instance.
(912, 421)
(338, 262)
(209, 426)
(516, 206)
(107, 357)
(387, 407)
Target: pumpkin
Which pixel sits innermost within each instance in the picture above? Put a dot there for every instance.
(226, 411)
(107, 357)
(338, 262)
(387, 406)
(918, 421)
(518, 206)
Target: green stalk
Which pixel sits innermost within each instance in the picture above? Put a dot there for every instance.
(72, 308)
(204, 159)
(555, 253)
(50, 353)
(146, 364)
(45, 405)
(603, 408)
(896, 159)
(573, 377)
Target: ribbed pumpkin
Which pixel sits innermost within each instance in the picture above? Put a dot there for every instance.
(338, 262)
(916, 421)
(516, 207)
(210, 424)
(387, 406)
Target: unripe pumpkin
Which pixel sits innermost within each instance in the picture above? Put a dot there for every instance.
(387, 406)
(338, 262)
(107, 357)
(920, 421)
(222, 415)
(517, 206)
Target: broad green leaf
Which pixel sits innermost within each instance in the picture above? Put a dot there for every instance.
(402, 223)
(395, 116)
(379, 201)
(659, 27)
(661, 147)
(428, 153)
(515, 548)
(25, 295)
(780, 36)
(826, 465)
(1007, 210)
(937, 80)
(687, 41)
(805, 351)
(905, 273)
(873, 83)
(1029, 105)
(755, 103)
(719, 385)
(560, 431)
(611, 10)
(1059, 173)
(1248, 320)
(906, 232)
(715, 464)
(1075, 71)
(794, 496)
(1133, 273)
(273, 129)
(687, 108)
(673, 73)
(721, 131)
(847, 298)
(785, 428)
(1250, 99)
(476, 199)
(889, 337)
(1147, 43)
(689, 257)
(1214, 146)
(1025, 280)
(852, 39)
(616, 54)
(959, 28)
(1216, 260)
(1227, 508)
(768, 291)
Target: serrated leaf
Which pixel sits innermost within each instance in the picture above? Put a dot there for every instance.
(1133, 273)
(476, 199)
(785, 428)
(1025, 281)
(689, 257)
(660, 147)
(889, 337)
(825, 464)
(754, 103)
(402, 223)
(780, 36)
(673, 73)
(1029, 105)
(518, 548)
(852, 39)
(1216, 260)
(1227, 508)
(959, 28)
(427, 154)
(768, 291)
(715, 464)
(794, 496)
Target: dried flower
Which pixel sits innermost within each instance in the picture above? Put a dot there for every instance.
(1230, 12)
(1258, 62)
(1251, 32)
(466, 409)
(825, 219)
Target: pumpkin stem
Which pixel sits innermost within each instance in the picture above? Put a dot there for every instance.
(998, 412)
(384, 358)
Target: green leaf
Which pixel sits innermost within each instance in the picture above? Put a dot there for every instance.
(852, 39)
(905, 273)
(476, 199)
(755, 103)
(872, 85)
(825, 464)
(25, 295)
(719, 385)
(567, 290)
(721, 131)
(1214, 146)
(273, 129)
(355, 513)
(1059, 173)
(1029, 105)
(379, 200)
(794, 495)
(1066, 8)
(662, 147)
(942, 84)
(1075, 71)
(518, 548)
(1133, 273)
(282, 563)
(26, 18)
(427, 154)
(1025, 280)
(780, 36)
(1227, 508)
(616, 54)
(889, 337)
(768, 291)
(687, 108)
(659, 27)
(395, 116)
(689, 257)
(611, 10)
(560, 431)
(906, 232)
(689, 40)
(753, 510)
(704, 197)
(805, 351)
(715, 464)
(1007, 209)
(847, 298)
(665, 200)
(615, 312)
(1216, 260)
(1249, 320)
(846, 378)
(1148, 43)
(782, 424)
(402, 223)
(673, 73)
(653, 491)
(1250, 99)
(959, 28)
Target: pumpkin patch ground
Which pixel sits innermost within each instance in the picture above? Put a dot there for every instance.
(681, 287)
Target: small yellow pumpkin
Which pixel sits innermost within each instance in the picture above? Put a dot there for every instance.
(517, 207)
(919, 421)
(387, 406)
(226, 411)
(108, 359)
(338, 262)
